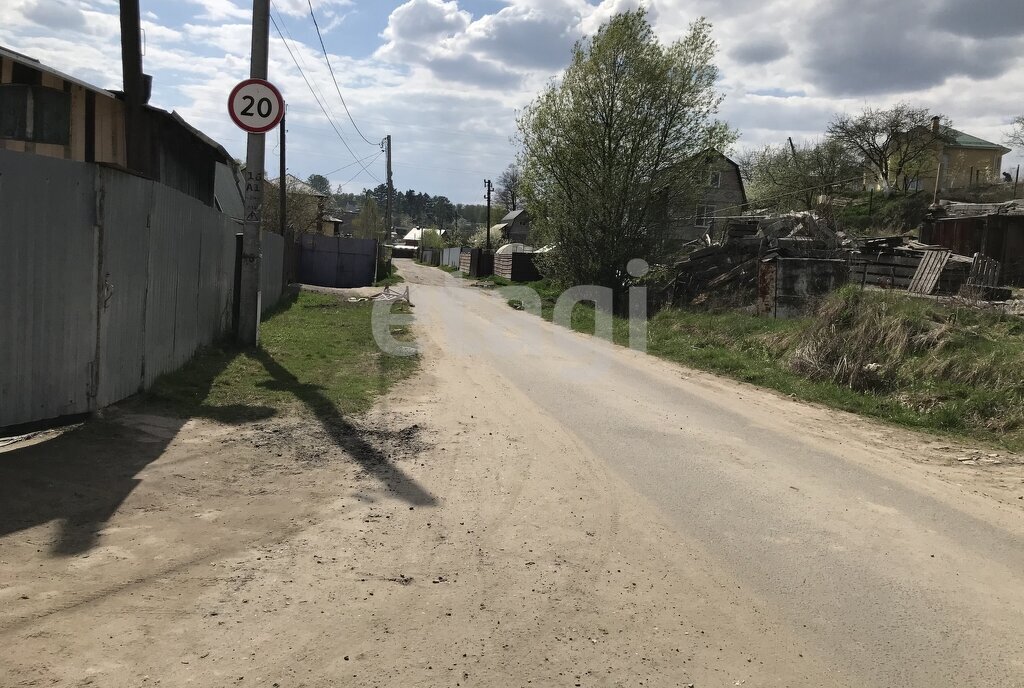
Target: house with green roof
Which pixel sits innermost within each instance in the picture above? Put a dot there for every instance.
(966, 160)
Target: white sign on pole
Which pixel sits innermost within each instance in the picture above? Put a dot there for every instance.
(256, 106)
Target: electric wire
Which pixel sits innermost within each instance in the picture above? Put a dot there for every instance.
(359, 173)
(327, 59)
(288, 32)
(323, 108)
(371, 158)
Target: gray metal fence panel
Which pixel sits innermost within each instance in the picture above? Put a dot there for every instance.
(162, 293)
(47, 288)
(272, 274)
(188, 243)
(124, 235)
(336, 261)
(216, 284)
(450, 257)
(107, 281)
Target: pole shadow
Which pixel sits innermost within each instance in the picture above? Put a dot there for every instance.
(346, 435)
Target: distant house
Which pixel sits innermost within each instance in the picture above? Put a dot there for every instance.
(966, 160)
(514, 228)
(46, 112)
(722, 193)
(334, 226)
(414, 237)
(307, 210)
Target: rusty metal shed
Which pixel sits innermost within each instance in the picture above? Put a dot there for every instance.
(993, 230)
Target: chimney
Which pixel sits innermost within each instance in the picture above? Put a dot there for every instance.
(136, 90)
(135, 82)
(936, 124)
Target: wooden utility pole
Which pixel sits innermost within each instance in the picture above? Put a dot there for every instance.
(250, 299)
(388, 218)
(938, 181)
(1016, 179)
(282, 183)
(487, 184)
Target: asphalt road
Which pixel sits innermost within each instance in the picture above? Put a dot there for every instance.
(898, 570)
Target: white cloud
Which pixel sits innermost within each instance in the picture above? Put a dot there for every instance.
(447, 84)
(221, 10)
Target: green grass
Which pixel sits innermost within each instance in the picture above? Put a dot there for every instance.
(390, 280)
(448, 268)
(317, 355)
(910, 362)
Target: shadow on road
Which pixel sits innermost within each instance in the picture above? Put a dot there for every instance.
(83, 476)
(79, 479)
(346, 435)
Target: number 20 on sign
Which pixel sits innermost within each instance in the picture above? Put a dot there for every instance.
(256, 106)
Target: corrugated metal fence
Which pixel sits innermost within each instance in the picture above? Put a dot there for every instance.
(107, 281)
(327, 261)
(450, 256)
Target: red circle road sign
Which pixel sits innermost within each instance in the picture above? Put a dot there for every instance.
(256, 106)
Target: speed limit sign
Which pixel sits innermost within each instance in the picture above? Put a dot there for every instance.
(256, 106)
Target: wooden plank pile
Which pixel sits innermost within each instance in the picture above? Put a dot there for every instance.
(729, 271)
(731, 267)
(929, 271)
(894, 267)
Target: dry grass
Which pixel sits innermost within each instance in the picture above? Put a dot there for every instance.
(959, 366)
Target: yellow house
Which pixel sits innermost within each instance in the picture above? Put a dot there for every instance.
(45, 112)
(966, 161)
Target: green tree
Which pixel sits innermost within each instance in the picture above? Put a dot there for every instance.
(320, 183)
(609, 153)
(431, 238)
(792, 177)
(370, 223)
(303, 213)
(897, 145)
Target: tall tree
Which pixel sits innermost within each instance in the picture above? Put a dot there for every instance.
(897, 144)
(320, 183)
(508, 187)
(370, 223)
(610, 152)
(1016, 135)
(792, 177)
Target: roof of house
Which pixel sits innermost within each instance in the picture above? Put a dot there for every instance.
(515, 215)
(296, 185)
(36, 64)
(174, 117)
(710, 153)
(228, 191)
(960, 139)
(417, 233)
(956, 210)
(964, 140)
(224, 155)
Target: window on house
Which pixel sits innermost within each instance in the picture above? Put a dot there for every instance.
(35, 114)
(715, 179)
(705, 215)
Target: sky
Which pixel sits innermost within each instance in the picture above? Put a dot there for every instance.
(446, 78)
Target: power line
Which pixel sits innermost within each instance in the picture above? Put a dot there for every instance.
(359, 173)
(327, 59)
(318, 102)
(299, 52)
(371, 158)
